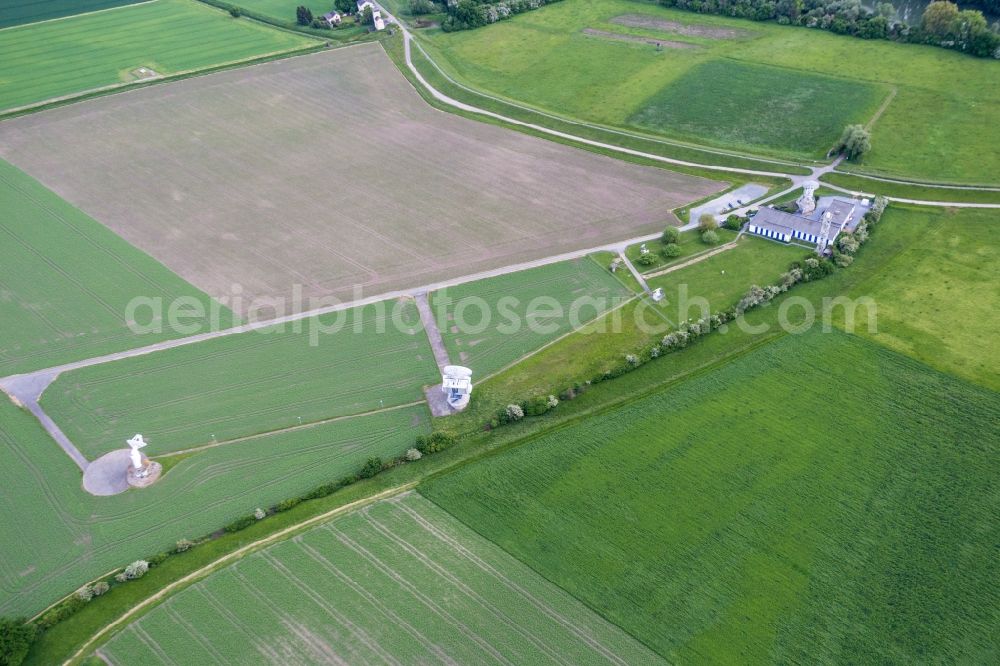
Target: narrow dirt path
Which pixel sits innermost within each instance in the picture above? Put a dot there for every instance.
(431, 328)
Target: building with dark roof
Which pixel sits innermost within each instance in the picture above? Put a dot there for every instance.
(820, 230)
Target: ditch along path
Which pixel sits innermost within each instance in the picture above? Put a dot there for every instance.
(232, 556)
(796, 180)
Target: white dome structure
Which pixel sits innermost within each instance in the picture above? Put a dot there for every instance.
(456, 382)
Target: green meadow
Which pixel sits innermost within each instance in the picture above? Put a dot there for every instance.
(939, 300)
(942, 124)
(689, 242)
(491, 323)
(796, 504)
(244, 384)
(75, 537)
(64, 58)
(66, 282)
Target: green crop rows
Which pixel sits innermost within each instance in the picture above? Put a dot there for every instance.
(523, 311)
(797, 504)
(400, 581)
(54, 59)
(66, 281)
(248, 383)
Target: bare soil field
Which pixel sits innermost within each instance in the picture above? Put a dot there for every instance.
(652, 23)
(328, 171)
(617, 36)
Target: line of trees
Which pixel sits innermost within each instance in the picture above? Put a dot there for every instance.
(943, 24)
(471, 14)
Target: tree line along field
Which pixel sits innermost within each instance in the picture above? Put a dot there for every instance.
(795, 504)
(399, 581)
(66, 281)
(16, 12)
(75, 537)
(941, 125)
(424, 197)
(55, 59)
(239, 385)
(523, 311)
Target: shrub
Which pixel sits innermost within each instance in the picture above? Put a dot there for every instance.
(420, 7)
(709, 237)
(259, 513)
(707, 222)
(322, 491)
(183, 545)
(646, 259)
(671, 250)
(843, 260)
(670, 235)
(158, 559)
(136, 570)
(85, 593)
(99, 588)
(371, 467)
(412, 455)
(538, 405)
(286, 504)
(733, 222)
(553, 402)
(303, 15)
(437, 441)
(240, 524)
(16, 637)
(234, 12)
(121, 577)
(514, 412)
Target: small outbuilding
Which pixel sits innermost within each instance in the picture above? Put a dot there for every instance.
(333, 19)
(456, 382)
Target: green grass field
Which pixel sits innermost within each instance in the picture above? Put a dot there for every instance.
(249, 383)
(797, 504)
(17, 12)
(400, 581)
(743, 106)
(938, 301)
(75, 537)
(724, 278)
(66, 281)
(524, 311)
(942, 124)
(64, 58)
(284, 10)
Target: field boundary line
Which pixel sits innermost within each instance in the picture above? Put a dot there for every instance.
(237, 554)
(73, 16)
(694, 260)
(280, 431)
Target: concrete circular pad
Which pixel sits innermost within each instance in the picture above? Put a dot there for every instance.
(108, 475)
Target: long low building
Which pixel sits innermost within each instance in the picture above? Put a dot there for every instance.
(820, 229)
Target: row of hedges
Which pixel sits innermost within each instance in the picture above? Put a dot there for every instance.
(942, 24)
(17, 634)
